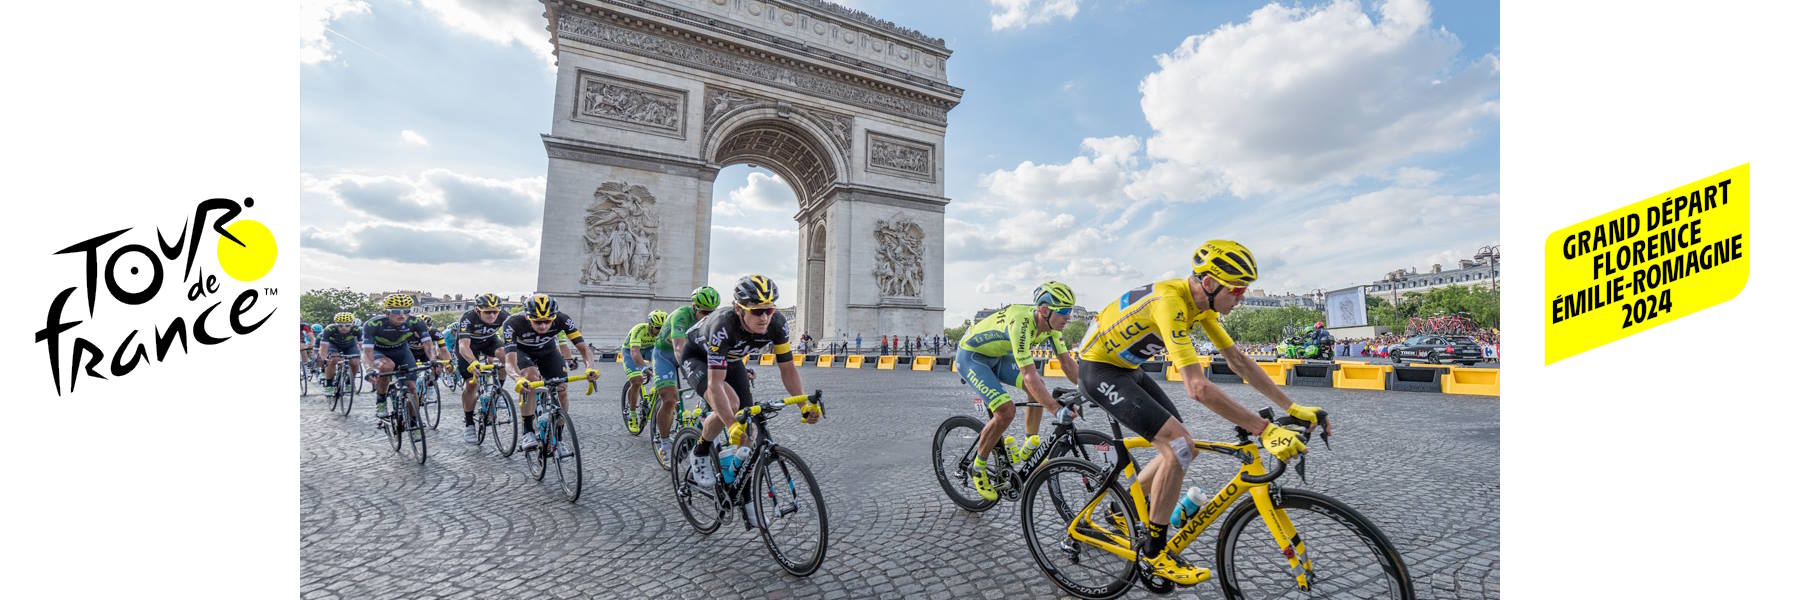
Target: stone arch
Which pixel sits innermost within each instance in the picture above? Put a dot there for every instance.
(791, 147)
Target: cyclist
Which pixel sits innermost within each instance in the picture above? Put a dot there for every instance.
(424, 347)
(337, 343)
(997, 351)
(669, 345)
(639, 340)
(391, 337)
(307, 340)
(1145, 321)
(712, 360)
(477, 334)
(530, 342)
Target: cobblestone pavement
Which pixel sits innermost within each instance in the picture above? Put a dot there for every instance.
(470, 524)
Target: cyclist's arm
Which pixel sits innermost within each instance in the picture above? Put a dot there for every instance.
(1069, 367)
(466, 349)
(1253, 374)
(790, 378)
(1019, 333)
(1180, 346)
(636, 354)
(587, 352)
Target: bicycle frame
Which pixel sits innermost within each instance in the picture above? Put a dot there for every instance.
(1083, 528)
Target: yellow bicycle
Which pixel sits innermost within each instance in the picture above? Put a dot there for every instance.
(1083, 529)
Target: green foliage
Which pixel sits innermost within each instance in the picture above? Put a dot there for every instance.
(317, 306)
(1481, 304)
(1264, 325)
(1074, 332)
(954, 334)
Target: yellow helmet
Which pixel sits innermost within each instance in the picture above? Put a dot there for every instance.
(540, 306)
(397, 301)
(1228, 262)
(343, 318)
(657, 319)
(487, 302)
(754, 290)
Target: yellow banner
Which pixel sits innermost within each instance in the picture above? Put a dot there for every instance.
(1646, 264)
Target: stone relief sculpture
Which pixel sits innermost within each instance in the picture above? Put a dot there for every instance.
(605, 98)
(900, 157)
(900, 257)
(621, 235)
(722, 102)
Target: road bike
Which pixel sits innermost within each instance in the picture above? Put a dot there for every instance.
(494, 417)
(431, 402)
(306, 375)
(343, 390)
(772, 488)
(403, 425)
(636, 411)
(1075, 536)
(683, 418)
(557, 441)
(953, 454)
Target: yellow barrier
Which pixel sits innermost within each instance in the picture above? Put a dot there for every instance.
(924, 363)
(799, 359)
(766, 360)
(619, 358)
(1053, 368)
(1291, 361)
(1170, 373)
(886, 363)
(1361, 376)
(853, 361)
(826, 360)
(1276, 371)
(1430, 366)
(1479, 382)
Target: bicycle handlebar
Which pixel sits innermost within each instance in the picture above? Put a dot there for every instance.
(591, 376)
(807, 403)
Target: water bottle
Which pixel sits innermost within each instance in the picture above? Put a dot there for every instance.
(543, 425)
(728, 462)
(1025, 450)
(1187, 508)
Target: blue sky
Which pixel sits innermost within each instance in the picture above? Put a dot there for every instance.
(1097, 143)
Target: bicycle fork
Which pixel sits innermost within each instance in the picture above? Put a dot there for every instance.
(1299, 564)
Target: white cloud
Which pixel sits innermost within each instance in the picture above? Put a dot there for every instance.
(770, 252)
(1019, 14)
(315, 15)
(1097, 177)
(761, 193)
(499, 21)
(411, 137)
(1299, 96)
(435, 196)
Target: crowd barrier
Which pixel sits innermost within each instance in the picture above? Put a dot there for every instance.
(826, 360)
(853, 361)
(886, 363)
(923, 363)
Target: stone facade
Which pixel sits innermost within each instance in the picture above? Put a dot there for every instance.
(653, 97)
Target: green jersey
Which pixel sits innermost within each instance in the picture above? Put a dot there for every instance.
(640, 336)
(678, 324)
(1013, 330)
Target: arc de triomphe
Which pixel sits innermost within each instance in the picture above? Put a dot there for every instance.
(653, 97)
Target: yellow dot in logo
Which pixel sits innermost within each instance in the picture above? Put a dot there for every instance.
(252, 260)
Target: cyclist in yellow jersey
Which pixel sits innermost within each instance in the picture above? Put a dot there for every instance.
(1158, 317)
(997, 351)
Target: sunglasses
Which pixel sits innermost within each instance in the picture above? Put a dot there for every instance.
(399, 311)
(1239, 292)
(490, 312)
(761, 312)
(542, 321)
(1065, 311)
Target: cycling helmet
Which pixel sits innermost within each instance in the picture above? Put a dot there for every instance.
(487, 302)
(1228, 262)
(657, 318)
(1319, 325)
(1054, 293)
(706, 298)
(317, 328)
(397, 301)
(540, 306)
(755, 290)
(343, 318)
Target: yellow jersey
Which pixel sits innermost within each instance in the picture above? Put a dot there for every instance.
(1148, 320)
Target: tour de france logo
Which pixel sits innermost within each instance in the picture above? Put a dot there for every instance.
(134, 270)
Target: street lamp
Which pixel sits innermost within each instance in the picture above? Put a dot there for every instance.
(1492, 254)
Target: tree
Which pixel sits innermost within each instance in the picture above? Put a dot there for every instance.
(1073, 333)
(955, 333)
(1481, 304)
(318, 306)
(1264, 325)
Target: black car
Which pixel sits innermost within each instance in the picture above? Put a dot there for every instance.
(1437, 349)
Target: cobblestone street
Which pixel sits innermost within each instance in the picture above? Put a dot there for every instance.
(471, 524)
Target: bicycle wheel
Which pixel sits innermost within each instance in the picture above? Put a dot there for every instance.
(628, 410)
(568, 467)
(346, 396)
(953, 456)
(395, 428)
(504, 425)
(793, 512)
(1091, 446)
(1077, 567)
(1342, 554)
(700, 506)
(415, 425)
(538, 458)
(431, 406)
(304, 380)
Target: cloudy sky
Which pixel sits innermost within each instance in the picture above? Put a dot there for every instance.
(1097, 143)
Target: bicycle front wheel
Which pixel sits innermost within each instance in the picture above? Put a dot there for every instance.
(431, 406)
(504, 425)
(305, 379)
(1079, 567)
(1337, 553)
(415, 426)
(565, 451)
(952, 457)
(628, 410)
(795, 526)
(346, 394)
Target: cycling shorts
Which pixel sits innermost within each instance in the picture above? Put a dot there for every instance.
(401, 356)
(632, 366)
(987, 374)
(1129, 395)
(664, 360)
(694, 370)
(548, 361)
(491, 348)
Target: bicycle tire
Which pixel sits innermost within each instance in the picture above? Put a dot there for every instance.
(1041, 552)
(1232, 529)
(628, 408)
(686, 491)
(764, 480)
(538, 457)
(505, 423)
(568, 468)
(431, 406)
(962, 490)
(304, 380)
(348, 396)
(1091, 446)
(415, 426)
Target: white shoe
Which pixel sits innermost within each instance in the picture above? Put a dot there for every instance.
(701, 468)
(756, 515)
(469, 435)
(563, 450)
(662, 451)
(531, 442)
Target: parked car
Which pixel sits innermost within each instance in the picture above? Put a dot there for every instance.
(1437, 349)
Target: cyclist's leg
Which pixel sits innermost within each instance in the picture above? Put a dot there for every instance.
(468, 392)
(634, 373)
(551, 366)
(665, 390)
(737, 380)
(331, 363)
(979, 370)
(1146, 411)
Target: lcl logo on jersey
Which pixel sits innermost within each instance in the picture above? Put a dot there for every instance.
(134, 271)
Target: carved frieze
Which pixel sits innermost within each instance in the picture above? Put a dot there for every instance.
(614, 102)
(722, 102)
(899, 156)
(620, 236)
(900, 257)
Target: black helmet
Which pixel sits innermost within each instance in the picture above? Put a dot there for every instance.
(753, 290)
(487, 302)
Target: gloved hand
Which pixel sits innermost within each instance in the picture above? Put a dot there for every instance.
(1068, 413)
(1281, 442)
(1309, 414)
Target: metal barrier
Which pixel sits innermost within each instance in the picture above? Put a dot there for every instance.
(1411, 378)
(1311, 374)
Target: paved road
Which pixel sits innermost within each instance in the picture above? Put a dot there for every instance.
(470, 524)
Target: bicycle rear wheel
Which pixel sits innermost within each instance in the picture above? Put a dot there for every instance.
(345, 391)
(793, 512)
(1341, 554)
(1077, 567)
(504, 424)
(568, 468)
(1091, 446)
(952, 458)
(628, 410)
(539, 457)
(415, 426)
(699, 505)
(305, 379)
